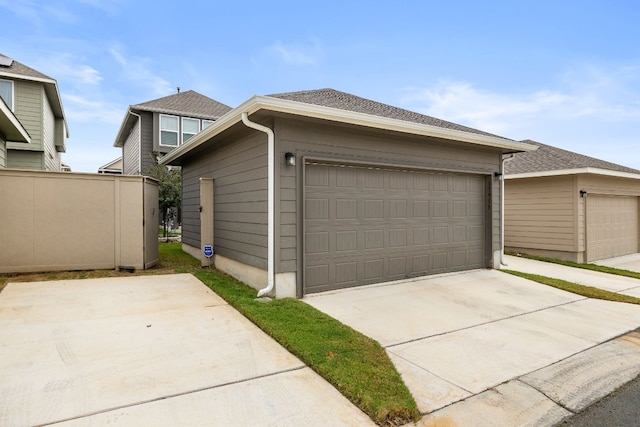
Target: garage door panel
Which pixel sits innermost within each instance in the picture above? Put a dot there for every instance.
(612, 226)
(395, 224)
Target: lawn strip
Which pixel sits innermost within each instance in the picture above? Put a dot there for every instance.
(356, 365)
(592, 267)
(586, 291)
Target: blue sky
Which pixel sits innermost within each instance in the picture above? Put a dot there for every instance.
(562, 72)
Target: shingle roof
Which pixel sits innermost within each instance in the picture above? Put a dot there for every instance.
(19, 68)
(189, 103)
(548, 158)
(345, 101)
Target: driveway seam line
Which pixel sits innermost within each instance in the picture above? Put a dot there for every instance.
(171, 396)
(485, 323)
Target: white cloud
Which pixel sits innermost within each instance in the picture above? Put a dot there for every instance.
(297, 54)
(80, 109)
(139, 70)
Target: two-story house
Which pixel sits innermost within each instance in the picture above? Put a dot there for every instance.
(32, 121)
(153, 128)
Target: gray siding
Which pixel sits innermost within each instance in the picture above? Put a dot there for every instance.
(239, 171)
(3, 152)
(51, 155)
(31, 160)
(319, 140)
(29, 110)
(131, 152)
(148, 158)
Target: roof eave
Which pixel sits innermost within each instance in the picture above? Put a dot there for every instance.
(123, 132)
(257, 103)
(11, 127)
(576, 171)
(174, 112)
(52, 91)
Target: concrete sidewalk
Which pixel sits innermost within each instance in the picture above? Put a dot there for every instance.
(149, 350)
(609, 282)
(627, 262)
(488, 348)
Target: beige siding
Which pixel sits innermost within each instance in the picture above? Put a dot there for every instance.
(51, 155)
(540, 213)
(131, 152)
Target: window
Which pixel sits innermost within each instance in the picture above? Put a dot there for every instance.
(169, 129)
(206, 123)
(6, 92)
(189, 128)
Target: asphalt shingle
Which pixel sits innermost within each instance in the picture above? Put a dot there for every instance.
(19, 68)
(547, 158)
(189, 103)
(346, 101)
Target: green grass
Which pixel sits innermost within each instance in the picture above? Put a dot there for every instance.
(592, 267)
(586, 291)
(169, 232)
(172, 260)
(354, 364)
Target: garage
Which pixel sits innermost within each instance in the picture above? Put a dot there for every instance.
(365, 225)
(612, 226)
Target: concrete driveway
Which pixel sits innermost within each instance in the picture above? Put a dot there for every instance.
(627, 262)
(150, 350)
(609, 282)
(488, 348)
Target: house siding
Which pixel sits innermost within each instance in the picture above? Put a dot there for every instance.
(148, 158)
(312, 139)
(51, 155)
(131, 152)
(24, 160)
(3, 152)
(239, 171)
(29, 110)
(542, 213)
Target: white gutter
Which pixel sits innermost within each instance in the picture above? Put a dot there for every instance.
(270, 197)
(139, 144)
(590, 170)
(504, 160)
(266, 103)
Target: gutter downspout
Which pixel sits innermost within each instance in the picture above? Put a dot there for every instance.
(271, 200)
(504, 160)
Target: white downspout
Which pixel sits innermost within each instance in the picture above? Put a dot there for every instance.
(504, 160)
(271, 199)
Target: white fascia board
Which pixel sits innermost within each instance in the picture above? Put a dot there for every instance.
(13, 129)
(594, 171)
(257, 103)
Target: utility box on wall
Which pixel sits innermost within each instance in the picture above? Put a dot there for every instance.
(56, 221)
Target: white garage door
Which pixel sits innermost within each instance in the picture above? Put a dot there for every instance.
(612, 226)
(369, 225)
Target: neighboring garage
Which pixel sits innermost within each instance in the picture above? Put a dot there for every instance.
(569, 206)
(612, 226)
(362, 193)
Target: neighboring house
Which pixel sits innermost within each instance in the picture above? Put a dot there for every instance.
(151, 129)
(34, 101)
(568, 206)
(10, 130)
(362, 193)
(114, 167)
